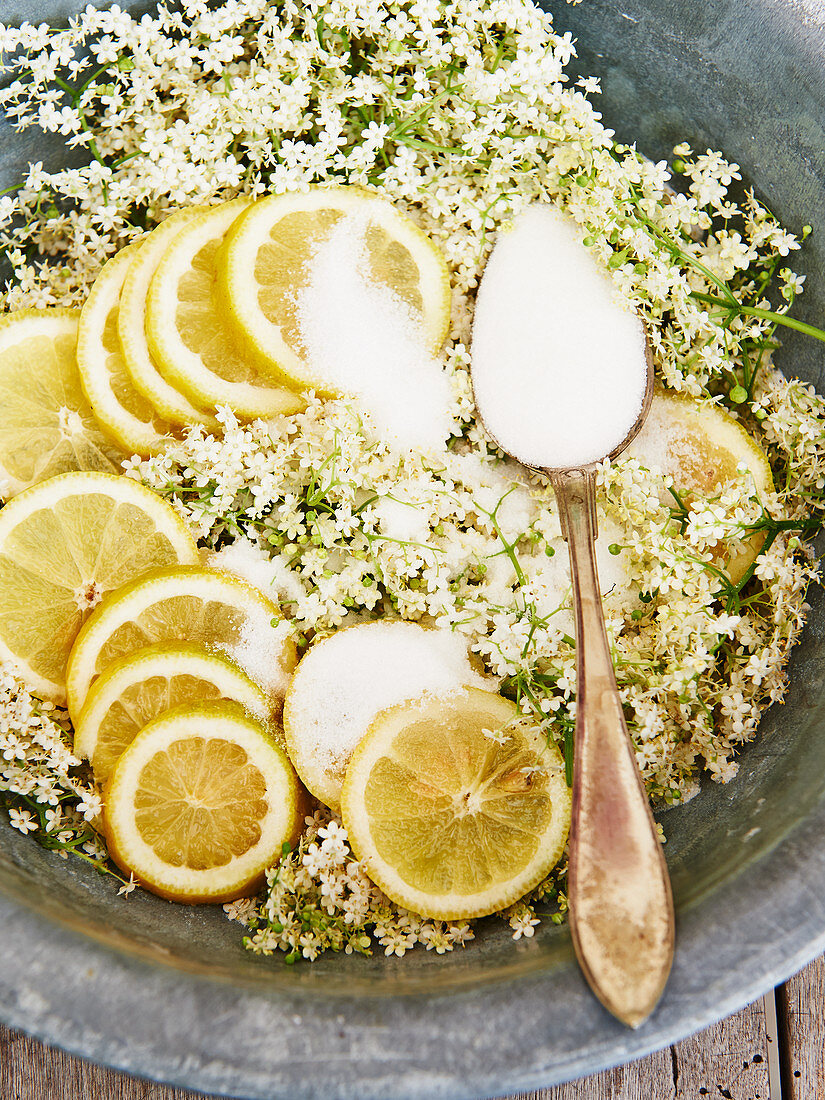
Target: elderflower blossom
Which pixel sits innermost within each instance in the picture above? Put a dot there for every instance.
(465, 116)
(42, 782)
(523, 921)
(302, 918)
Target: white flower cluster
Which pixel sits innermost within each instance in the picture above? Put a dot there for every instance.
(461, 110)
(336, 527)
(40, 778)
(319, 899)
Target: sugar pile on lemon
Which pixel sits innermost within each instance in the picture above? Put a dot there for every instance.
(345, 296)
(346, 679)
(362, 339)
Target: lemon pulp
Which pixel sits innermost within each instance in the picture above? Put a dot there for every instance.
(48, 426)
(456, 807)
(142, 685)
(205, 606)
(64, 545)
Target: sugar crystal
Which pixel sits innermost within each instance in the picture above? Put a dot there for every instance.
(345, 680)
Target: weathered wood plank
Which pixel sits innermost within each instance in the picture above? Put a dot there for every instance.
(728, 1060)
(31, 1071)
(650, 1078)
(803, 1002)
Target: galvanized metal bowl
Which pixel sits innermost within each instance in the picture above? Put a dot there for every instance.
(168, 992)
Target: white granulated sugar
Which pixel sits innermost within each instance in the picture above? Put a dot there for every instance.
(403, 520)
(260, 652)
(558, 360)
(260, 648)
(361, 339)
(245, 559)
(345, 680)
(660, 443)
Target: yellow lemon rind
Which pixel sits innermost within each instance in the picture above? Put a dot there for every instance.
(170, 403)
(244, 874)
(148, 433)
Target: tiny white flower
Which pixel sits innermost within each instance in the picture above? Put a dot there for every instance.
(23, 821)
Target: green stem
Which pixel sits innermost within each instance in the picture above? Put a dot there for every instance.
(765, 314)
(569, 729)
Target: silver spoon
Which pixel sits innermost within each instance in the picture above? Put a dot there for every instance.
(620, 900)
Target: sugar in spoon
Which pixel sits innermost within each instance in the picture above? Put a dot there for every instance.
(563, 378)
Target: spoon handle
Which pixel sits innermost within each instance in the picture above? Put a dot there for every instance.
(621, 906)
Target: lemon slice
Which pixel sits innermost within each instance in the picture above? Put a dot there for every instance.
(123, 414)
(345, 680)
(267, 261)
(205, 606)
(456, 808)
(169, 402)
(700, 446)
(201, 803)
(188, 338)
(48, 427)
(140, 686)
(66, 543)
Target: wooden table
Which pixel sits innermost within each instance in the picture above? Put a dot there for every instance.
(773, 1049)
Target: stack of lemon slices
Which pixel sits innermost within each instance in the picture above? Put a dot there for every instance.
(104, 608)
(196, 315)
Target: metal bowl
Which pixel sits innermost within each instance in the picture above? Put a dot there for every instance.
(168, 991)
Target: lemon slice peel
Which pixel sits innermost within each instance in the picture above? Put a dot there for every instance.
(201, 803)
(169, 402)
(123, 413)
(187, 337)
